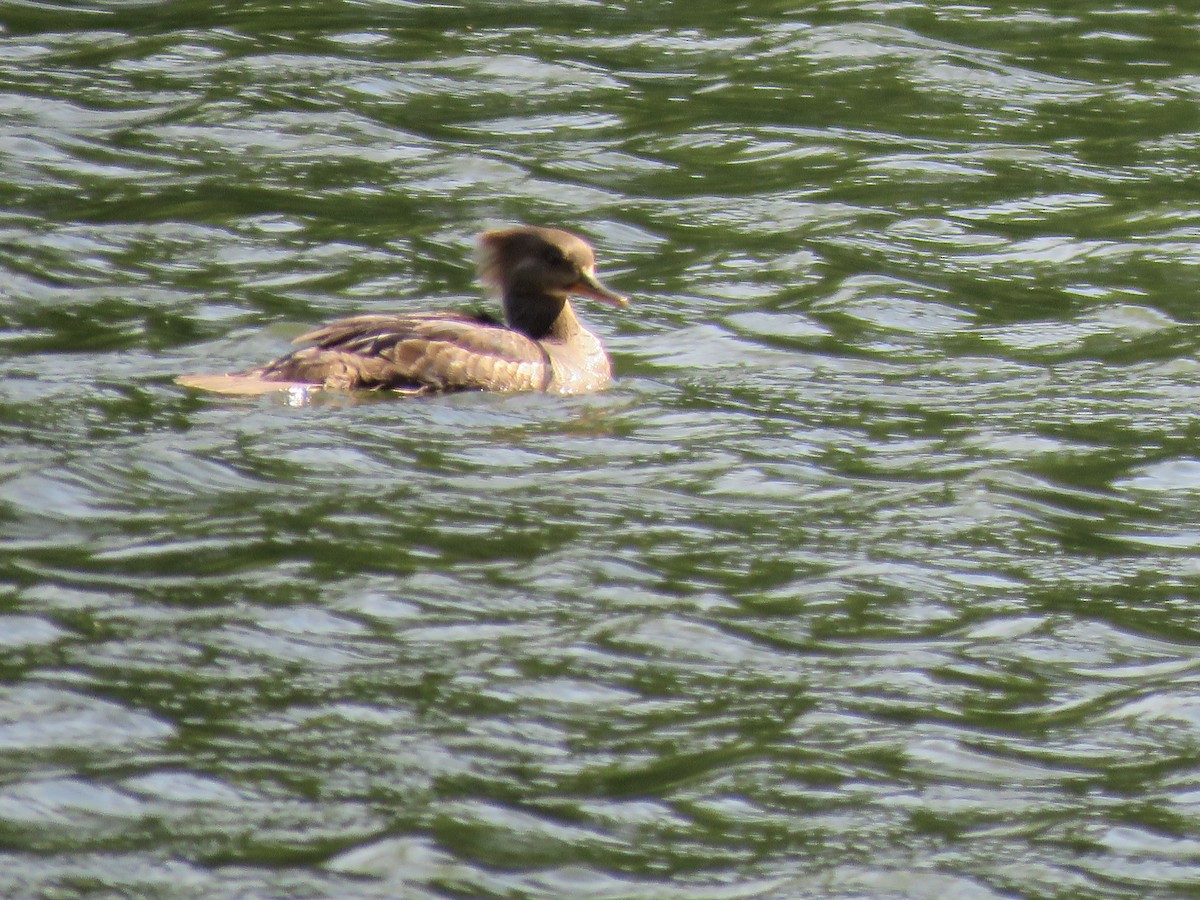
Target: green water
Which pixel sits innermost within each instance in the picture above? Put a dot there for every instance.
(874, 575)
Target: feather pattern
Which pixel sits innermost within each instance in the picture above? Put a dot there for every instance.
(433, 352)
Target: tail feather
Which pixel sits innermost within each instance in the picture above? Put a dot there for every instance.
(247, 385)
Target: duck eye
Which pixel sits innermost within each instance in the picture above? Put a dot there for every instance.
(554, 256)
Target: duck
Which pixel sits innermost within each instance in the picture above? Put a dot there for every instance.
(540, 346)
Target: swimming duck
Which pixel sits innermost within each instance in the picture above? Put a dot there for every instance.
(541, 347)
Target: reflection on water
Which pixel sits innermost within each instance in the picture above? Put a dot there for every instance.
(872, 576)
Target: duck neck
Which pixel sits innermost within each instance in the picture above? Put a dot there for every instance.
(541, 316)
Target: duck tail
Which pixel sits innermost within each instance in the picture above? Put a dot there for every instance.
(249, 384)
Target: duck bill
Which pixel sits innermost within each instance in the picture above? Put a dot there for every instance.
(589, 285)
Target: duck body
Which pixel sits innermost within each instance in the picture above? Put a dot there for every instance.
(541, 346)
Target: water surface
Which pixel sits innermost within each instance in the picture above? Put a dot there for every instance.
(873, 576)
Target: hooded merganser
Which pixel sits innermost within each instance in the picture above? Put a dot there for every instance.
(541, 347)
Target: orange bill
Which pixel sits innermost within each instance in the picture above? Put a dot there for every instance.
(589, 285)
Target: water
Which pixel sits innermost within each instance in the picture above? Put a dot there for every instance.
(873, 576)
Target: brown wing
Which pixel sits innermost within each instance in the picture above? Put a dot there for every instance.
(437, 352)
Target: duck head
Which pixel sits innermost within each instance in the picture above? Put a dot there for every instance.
(536, 270)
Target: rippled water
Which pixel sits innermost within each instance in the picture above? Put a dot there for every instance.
(873, 576)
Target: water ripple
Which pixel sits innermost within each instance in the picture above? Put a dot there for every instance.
(881, 550)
